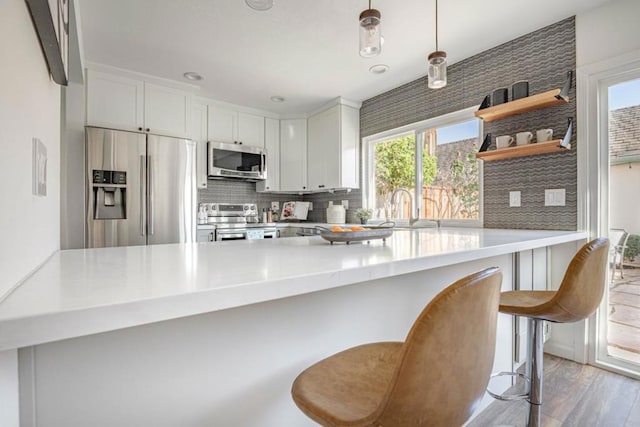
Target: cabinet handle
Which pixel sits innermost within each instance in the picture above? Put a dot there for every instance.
(240, 142)
(140, 129)
(321, 186)
(304, 188)
(148, 130)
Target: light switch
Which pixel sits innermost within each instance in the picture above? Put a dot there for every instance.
(345, 203)
(554, 197)
(514, 199)
(275, 206)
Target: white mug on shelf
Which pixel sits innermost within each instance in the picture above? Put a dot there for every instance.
(523, 138)
(503, 141)
(544, 135)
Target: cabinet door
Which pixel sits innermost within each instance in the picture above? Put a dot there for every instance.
(293, 155)
(222, 124)
(272, 145)
(114, 102)
(349, 147)
(167, 111)
(199, 135)
(251, 130)
(323, 164)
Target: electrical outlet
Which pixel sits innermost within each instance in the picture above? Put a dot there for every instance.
(514, 199)
(275, 206)
(554, 197)
(345, 203)
(310, 206)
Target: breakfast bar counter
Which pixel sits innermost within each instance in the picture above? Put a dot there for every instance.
(81, 292)
(210, 334)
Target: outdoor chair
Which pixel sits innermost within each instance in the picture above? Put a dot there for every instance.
(618, 238)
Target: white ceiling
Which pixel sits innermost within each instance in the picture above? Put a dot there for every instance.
(303, 50)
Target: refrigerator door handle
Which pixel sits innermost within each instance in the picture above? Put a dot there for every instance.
(150, 183)
(143, 196)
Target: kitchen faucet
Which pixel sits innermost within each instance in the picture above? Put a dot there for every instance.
(412, 220)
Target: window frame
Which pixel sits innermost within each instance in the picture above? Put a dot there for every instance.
(417, 129)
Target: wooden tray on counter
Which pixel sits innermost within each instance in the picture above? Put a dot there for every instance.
(381, 231)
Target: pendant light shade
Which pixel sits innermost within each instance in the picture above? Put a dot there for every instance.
(437, 71)
(370, 43)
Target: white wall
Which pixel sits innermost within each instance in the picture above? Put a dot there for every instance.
(607, 31)
(29, 107)
(625, 197)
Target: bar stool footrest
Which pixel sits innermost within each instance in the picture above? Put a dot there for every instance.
(509, 397)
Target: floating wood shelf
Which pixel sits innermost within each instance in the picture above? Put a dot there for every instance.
(523, 105)
(522, 151)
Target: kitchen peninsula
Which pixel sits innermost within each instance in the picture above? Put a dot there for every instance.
(213, 334)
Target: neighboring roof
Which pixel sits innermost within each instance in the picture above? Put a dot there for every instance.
(624, 133)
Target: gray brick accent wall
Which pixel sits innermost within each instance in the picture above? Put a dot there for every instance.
(543, 59)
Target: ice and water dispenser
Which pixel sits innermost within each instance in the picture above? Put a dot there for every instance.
(109, 194)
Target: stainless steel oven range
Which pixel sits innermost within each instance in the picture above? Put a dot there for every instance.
(238, 222)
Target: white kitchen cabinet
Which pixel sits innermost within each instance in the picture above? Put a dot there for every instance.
(167, 111)
(114, 101)
(228, 125)
(126, 103)
(272, 145)
(332, 148)
(206, 233)
(199, 135)
(293, 155)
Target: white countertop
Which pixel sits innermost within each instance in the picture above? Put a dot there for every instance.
(87, 291)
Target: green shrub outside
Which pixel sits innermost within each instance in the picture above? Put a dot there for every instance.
(633, 247)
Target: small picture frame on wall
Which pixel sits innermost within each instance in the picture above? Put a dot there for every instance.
(51, 21)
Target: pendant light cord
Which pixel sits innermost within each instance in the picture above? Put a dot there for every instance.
(436, 23)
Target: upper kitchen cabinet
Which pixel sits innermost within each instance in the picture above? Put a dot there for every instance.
(272, 145)
(199, 135)
(167, 111)
(114, 101)
(293, 155)
(121, 102)
(236, 127)
(332, 148)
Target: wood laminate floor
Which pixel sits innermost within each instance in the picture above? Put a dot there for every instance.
(573, 395)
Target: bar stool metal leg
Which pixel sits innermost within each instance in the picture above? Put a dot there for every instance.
(535, 346)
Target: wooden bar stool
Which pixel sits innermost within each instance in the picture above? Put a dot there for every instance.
(577, 298)
(436, 377)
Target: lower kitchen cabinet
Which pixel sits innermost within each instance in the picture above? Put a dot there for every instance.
(205, 233)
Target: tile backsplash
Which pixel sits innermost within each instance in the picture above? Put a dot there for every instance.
(542, 58)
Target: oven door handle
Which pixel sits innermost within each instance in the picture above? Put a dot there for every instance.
(221, 235)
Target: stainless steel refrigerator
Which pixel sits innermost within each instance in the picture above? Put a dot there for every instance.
(141, 189)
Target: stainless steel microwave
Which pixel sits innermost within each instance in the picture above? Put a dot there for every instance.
(236, 161)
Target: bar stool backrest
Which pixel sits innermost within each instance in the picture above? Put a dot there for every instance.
(583, 285)
(447, 357)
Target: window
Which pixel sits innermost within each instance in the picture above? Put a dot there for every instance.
(426, 170)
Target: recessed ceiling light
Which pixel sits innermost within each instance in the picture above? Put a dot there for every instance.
(379, 69)
(259, 4)
(277, 99)
(190, 75)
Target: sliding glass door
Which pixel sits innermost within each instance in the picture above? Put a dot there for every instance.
(618, 338)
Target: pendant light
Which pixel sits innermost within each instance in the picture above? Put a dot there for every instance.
(370, 44)
(437, 71)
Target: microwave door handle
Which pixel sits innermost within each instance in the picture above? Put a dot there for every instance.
(150, 182)
(262, 160)
(143, 198)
